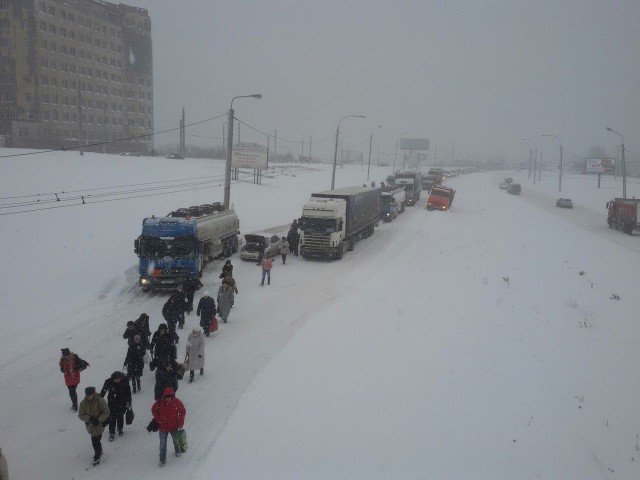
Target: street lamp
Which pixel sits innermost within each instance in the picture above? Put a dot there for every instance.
(560, 175)
(624, 169)
(227, 170)
(370, 141)
(335, 152)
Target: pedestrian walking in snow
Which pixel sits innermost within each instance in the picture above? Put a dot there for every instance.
(166, 376)
(134, 362)
(118, 394)
(131, 331)
(229, 280)
(284, 249)
(143, 327)
(162, 344)
(267, 264)
(195, 352)
(206, 311)
(71, 365)
(94, 411)
(293, 237)
(226, 268)
(173, 313)
(190, 286)
(225, 301)
(169, 413)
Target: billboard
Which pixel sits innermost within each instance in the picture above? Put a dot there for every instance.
(249, 156)
(414, 144)
(600, 165)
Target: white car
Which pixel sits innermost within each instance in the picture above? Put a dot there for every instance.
(504, 185)
(255, 244)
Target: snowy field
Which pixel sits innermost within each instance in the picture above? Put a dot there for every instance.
(485, 342)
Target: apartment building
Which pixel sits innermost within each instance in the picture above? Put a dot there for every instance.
(75, 72)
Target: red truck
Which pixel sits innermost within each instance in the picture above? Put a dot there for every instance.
(624, 214)
(440, 198)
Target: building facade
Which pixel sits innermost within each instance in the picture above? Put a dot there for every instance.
(75, 72)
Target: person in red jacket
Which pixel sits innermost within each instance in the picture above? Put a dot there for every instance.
(169, 413)
(71, 365)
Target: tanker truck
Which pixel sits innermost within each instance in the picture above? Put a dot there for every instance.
(176, 247)
(333, 220)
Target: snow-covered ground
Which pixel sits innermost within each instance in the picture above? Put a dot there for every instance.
(483, 342)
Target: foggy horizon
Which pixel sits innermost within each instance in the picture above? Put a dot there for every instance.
(473, 78)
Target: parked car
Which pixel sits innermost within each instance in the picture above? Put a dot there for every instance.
(514, 189)
(175, 155)
(504, 185)
(254, 244)
(564, 203)
(132, 153)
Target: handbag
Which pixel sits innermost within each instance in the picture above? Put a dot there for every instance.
(129, 416)
(180, 371)
(213, 326)
(181, 440)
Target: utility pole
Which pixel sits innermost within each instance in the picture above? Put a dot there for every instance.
(310, 138)
(275, 146)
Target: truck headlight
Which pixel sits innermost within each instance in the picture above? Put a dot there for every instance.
(144, 281)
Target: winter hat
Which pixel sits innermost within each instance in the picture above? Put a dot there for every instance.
(206, 293)
(196, 329)
(228, 262)
(143, 316)
(89, 391)
(162, 325)
(116, 374)
(131, 323)
(137, 338)
(65, 351)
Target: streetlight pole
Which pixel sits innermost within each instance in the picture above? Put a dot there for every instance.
(535, 158)
(335, 152)
(370, 141)
(624, 169)
(560, 174)
(395, 155)
(227, 170)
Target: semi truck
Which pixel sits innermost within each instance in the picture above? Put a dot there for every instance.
(429, 181)
(393, 201)
(176, 247)
(333, 220)
(412, 184)
(440, 198)
(623, 214)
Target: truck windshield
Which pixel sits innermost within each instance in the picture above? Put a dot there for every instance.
(440, 193)
(325, 225)
(178, 247)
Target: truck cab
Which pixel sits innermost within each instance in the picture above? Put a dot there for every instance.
(322, 226)
(390, 207)
(440, 198)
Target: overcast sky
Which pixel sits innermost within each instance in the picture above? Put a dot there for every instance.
(473, 76)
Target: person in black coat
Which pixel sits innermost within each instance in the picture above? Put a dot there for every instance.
(143, 327)
(171, 313)
(166, 376)
(189, 287)
(206, 311)
(131, 331)
(119, 400)
(134, 362)
(226, 268)
(293, 237)
(162, 344)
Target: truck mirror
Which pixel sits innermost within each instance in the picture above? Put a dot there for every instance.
(136, 246)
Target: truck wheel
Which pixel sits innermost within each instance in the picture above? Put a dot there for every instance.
(351, 245)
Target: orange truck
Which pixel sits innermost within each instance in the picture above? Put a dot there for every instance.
(440, 198)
